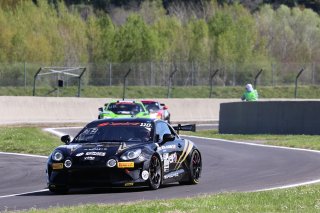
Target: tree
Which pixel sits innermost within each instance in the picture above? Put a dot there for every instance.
(135, 41)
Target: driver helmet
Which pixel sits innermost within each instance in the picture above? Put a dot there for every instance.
(143, 134)
(249, 88)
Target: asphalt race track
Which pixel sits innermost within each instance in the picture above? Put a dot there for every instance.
(227, 167)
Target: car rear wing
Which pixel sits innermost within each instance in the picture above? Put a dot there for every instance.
(189, 127)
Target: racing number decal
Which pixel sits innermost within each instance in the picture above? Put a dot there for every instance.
(148, 125)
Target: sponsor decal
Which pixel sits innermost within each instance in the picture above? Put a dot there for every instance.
(125, 164)
(97, 149)
(72, 148)
(145, 175)
(128, 184)
(173, 174)
(166, 162)
(96, 153)
(173, 158)
(168, 146)
(186, 150)
(119, 124)
(167, 159)
(80, 154)
(90, 131)
(89, 158)
(57, 166)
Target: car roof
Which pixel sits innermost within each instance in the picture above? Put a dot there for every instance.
(131, 119)
(148, 101)
(125, 101)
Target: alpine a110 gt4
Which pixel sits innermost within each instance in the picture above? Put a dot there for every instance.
(124, 152)
(123, 109)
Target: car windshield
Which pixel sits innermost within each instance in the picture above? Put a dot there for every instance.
(125, 108)
(116, 132)
(152, 106)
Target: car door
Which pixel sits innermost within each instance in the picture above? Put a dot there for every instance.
(170, 151)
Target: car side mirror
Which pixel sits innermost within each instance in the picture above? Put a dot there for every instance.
(66, 139)
(168, 137)
(100, 109)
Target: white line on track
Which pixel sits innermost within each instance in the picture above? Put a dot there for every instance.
(289, 186)
(25, 193)
(267, 146)
(24, 155)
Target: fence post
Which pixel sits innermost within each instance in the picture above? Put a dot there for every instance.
(25, 76)
(272, 73)
(170, 79)
(124, 84)
(296, 83)
(110, 74)
(256, 78)
(234, 74)
(34, 82)
(79, 81)
(313, 73)
(211, 81)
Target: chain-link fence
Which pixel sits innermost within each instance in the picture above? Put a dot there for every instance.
(158, 73)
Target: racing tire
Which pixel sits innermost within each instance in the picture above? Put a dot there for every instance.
(59, 190)
(155, 173)
(195, 168)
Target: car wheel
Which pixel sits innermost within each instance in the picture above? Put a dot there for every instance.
(155, 172)
(195, 168)
(59, 190)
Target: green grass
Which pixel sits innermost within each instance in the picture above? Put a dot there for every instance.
(306, 92)
(300, 199)
(297, 141)
(29, 140)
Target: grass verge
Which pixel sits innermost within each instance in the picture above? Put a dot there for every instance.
(310, 92)
(28, 140)
(300, 199)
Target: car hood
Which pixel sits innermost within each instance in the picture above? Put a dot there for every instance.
(124, 114)
(97, 149)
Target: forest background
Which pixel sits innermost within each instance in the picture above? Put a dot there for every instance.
(196, 37)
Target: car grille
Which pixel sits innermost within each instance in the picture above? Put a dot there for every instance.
(96, 176)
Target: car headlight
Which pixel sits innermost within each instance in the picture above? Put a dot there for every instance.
(131, 154)
(106, 115)
(57, 155)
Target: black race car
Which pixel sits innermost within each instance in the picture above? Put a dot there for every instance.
(124, 152)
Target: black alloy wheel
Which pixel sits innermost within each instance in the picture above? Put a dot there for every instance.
(155, 173)
(195, 168)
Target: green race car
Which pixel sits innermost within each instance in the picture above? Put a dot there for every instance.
(123, 109)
